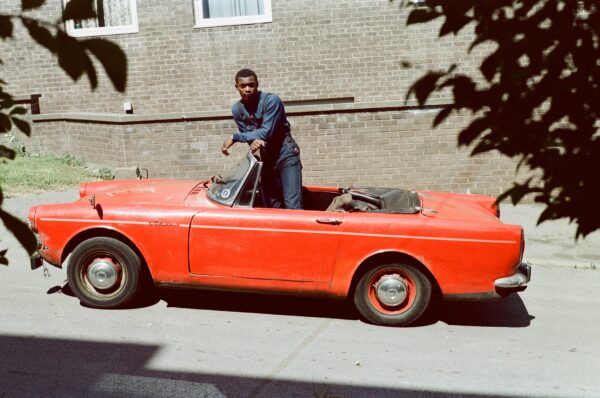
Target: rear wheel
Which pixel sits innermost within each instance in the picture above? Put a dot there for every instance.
(393, 294)
(104, 273)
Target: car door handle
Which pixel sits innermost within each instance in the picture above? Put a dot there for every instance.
(332, 221)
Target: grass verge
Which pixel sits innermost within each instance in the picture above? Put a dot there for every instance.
(35, 174)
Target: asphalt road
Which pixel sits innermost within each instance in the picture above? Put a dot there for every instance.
(544, 342)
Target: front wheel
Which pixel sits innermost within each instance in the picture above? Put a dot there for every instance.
(392, 295)
(104, 273)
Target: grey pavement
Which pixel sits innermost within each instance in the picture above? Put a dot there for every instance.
(551, 243)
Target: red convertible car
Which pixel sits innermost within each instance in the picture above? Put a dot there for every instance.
(389, 250)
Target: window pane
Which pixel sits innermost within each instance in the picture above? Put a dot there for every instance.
(110, 13)
(231, 8)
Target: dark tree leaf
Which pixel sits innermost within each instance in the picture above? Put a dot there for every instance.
(90, 71)
(6, 27)
(549, 213)
(79, 9)
(113, 60)
(490, 66)
(5, 123)
(40, 34)
(6, 152)
(6, 100)
(22, 125)
(442, 115)
(31, 4)
(18, 110)
(423, 87)
(74, 60)
(20, 230)
(516, 192)
(3, 259)
(421, 15)
(71, 55)
(454, 25)
(464, 90)
(483, 146)
(472, 131)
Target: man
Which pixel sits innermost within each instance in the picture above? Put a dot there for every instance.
(261, 121)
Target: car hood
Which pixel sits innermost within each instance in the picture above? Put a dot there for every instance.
(139, 191)
(465, 207)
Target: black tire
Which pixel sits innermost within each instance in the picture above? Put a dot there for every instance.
(402, 307)
(115, 255)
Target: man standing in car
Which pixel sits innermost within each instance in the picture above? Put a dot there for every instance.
(261, 121)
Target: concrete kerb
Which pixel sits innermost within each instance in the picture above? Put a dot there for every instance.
(550, 244)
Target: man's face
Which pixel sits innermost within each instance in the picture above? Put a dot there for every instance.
(247, 87)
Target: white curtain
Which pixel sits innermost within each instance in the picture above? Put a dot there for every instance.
(110, 13)
(231, 8)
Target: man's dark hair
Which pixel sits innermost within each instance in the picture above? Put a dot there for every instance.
(245, 73)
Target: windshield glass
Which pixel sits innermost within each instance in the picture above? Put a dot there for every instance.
(225, 189)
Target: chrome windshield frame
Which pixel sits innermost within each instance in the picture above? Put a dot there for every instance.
(231, 186)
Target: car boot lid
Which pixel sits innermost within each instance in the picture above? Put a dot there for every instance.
(459, 206)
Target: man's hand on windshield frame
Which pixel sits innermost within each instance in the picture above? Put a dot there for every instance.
(226, 145)
(256, 144)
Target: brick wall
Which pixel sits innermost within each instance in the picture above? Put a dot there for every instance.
(368, 148)
(313, 49)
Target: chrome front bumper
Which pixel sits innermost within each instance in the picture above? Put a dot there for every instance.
(517, 281)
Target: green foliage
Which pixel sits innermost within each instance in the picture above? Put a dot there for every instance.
(34, 173)
(75, 58)
(105, 174)
(71, 160)
(16, 146)
(539, 98)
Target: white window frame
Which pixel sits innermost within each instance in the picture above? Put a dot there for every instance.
(105, 30)
(201, 22)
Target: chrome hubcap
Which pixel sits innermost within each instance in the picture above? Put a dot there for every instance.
(102, 273)
(391, 290)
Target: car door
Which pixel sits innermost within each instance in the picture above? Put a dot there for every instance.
(261, 243)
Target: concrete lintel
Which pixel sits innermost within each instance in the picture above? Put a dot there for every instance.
(117, 118)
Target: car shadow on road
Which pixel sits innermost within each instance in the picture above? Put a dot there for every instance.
(259, 303)
(508, 312)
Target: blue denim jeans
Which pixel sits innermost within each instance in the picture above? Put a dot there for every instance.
(282, 187)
